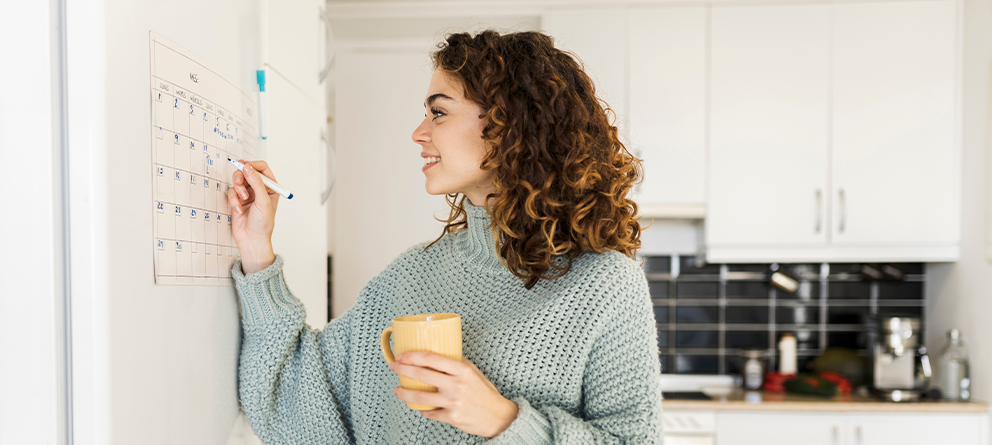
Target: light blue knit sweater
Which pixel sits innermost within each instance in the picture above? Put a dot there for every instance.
(578, 354)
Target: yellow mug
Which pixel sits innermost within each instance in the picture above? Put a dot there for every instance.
(437, 333)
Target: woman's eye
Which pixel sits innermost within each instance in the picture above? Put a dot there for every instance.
(436, 113)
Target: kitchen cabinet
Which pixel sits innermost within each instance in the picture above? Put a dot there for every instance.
(769, 90)
(649, 66)
(667, 107)
(861, 162)
(742, 428)
(895, 168)
(786, 428)
(597, 36)
(908, 429)
(689, 427)
(294, 36)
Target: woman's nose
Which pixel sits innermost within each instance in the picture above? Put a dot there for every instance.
(422, 134)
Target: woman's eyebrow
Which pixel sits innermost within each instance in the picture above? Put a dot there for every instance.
(433, 97)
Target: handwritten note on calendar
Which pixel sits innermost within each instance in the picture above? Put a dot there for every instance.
(200, 117)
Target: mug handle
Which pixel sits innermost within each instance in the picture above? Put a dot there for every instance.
(384, 340)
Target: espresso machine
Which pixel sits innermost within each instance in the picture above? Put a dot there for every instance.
(901, 367)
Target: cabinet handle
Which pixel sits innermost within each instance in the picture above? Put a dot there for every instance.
(842, 203)
(819, 210)
(835, 435)
(329, 48)
(329, 167)
(857, 435)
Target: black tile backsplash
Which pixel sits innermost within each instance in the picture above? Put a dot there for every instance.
(697, 364)
(661, 313)
(658, 264)
(853, 340)
(849, 290)
(797, 314)
(900, 290)
(697, 290)
(689, 266)
(747, 314)
(747, 289)
(660, 290)
(748, 340)
(848, 315)
(708, 313)
(697, 314)
(697, 339)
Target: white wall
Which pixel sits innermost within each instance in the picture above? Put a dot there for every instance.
(28, 264)
(958, 294)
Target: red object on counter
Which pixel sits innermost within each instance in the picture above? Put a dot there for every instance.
(775, 381)
(843, 386)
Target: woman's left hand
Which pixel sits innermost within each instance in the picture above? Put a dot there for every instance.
(465, 398)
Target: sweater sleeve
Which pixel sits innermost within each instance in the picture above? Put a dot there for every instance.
(621, 389)
(292, 379)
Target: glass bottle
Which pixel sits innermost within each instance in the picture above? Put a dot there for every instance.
(955, 384)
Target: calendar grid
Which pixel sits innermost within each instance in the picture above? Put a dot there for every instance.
(239, 123)
(194, 131)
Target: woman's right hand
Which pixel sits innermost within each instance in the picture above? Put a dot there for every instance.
(253, 215)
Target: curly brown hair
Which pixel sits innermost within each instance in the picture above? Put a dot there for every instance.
(561, 175)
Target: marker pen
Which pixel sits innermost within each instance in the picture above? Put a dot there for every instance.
(265, 180)
(263, 129)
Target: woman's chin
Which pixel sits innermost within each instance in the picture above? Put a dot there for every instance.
(431, 190)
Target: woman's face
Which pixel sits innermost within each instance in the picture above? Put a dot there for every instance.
(451, 134)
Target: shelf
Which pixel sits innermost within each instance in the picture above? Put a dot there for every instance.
(671, 211)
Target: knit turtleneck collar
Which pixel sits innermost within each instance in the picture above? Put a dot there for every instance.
(478, 244)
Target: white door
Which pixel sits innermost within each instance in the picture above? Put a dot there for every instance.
(896, 167)
(597, 37)
(779, 428)
(768, 126)
(667, 103)
(292, 37)
(915, 429)
(300, 235)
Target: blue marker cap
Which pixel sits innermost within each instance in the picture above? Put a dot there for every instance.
(260, 77)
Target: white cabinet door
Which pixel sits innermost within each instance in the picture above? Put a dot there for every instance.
(915, 429)
(779, 428)
(293, 148)
(597, 37)
(768, 126)
(896, 168)
(292, 42)
(667, 103)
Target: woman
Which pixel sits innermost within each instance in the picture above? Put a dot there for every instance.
(558, 332)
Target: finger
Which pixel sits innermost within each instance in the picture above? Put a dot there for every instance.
(261, 167)
(426, 375)
(239, 178)
(432, 360)
(232, 198)
(255, 181)
(420, 397)
(242, 192)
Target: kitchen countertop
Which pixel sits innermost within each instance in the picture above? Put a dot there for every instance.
(765, 401)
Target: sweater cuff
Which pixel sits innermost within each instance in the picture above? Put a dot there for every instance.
(530, 427)
(264, 294)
